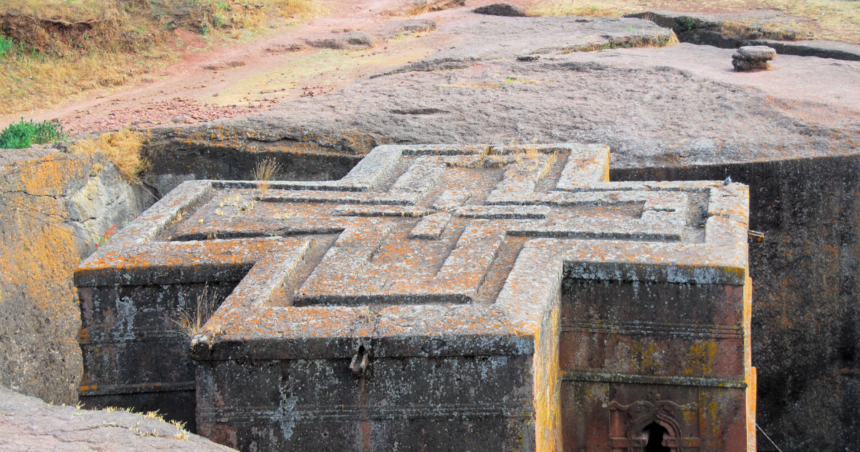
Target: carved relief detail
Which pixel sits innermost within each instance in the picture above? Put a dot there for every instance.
(642, 414)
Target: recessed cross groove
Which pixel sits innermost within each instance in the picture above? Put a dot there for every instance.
(451, 266)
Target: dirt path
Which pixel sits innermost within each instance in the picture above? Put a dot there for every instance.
(226, 81)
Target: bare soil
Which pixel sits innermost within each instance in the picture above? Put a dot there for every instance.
(189, 90)
(230, 81)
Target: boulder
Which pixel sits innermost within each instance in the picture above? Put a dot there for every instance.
(751, 58)
(501, 9)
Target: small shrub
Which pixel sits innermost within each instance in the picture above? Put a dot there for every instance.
(27, 133)
(6, 45)
(123, 150)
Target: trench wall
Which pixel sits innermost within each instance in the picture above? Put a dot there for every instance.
(54, 208)
(806, 325)
(806, 276)
(176, 156)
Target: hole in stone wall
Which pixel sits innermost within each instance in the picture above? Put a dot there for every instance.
(655, 433)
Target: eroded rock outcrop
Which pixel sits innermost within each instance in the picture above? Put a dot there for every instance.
(54, 210)
(27, 423)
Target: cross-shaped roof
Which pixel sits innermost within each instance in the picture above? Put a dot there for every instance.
(466, 245)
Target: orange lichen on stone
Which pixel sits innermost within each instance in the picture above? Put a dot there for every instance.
(443, 272)
(38, 257)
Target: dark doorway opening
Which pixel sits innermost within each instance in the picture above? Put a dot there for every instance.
(655, 433)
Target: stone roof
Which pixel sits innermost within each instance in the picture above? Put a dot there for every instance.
(420, 229)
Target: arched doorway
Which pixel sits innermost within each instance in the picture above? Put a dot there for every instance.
(654, 434)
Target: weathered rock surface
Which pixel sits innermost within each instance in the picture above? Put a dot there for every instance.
(501, 9)
(54, 209)
(679, 105)
(751, 58)
(821, 49)
(352, 40)
(28, 424)
(756, 53)
(493, 38)
(394, 28)
(754, 28)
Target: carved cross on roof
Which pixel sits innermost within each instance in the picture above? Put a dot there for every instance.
(424, 241)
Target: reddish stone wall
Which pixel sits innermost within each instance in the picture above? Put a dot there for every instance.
(806, 273)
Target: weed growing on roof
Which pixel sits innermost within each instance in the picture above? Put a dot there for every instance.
(27, 133)
(181, 433)
(266, 170)
(191, 323)
(110, 232)
(154, 415)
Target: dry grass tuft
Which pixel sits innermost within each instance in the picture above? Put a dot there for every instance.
(549, 163)
(573, 8)
(181, 432)
(154, 415)
(266, 170)
(123, 150)
(429, 6)
(191, 324)
(299, 8)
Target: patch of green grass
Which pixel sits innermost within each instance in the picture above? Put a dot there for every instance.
(27, 133)
(5, 46)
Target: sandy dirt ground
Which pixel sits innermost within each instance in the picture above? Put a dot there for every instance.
(227, 81)
(235, 80)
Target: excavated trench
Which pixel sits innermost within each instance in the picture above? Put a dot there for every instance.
(233, 155)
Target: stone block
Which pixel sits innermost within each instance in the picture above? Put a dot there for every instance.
(749, 58)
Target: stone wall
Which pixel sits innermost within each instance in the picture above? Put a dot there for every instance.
(806, 319)
(54, 208)
(176, 156)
